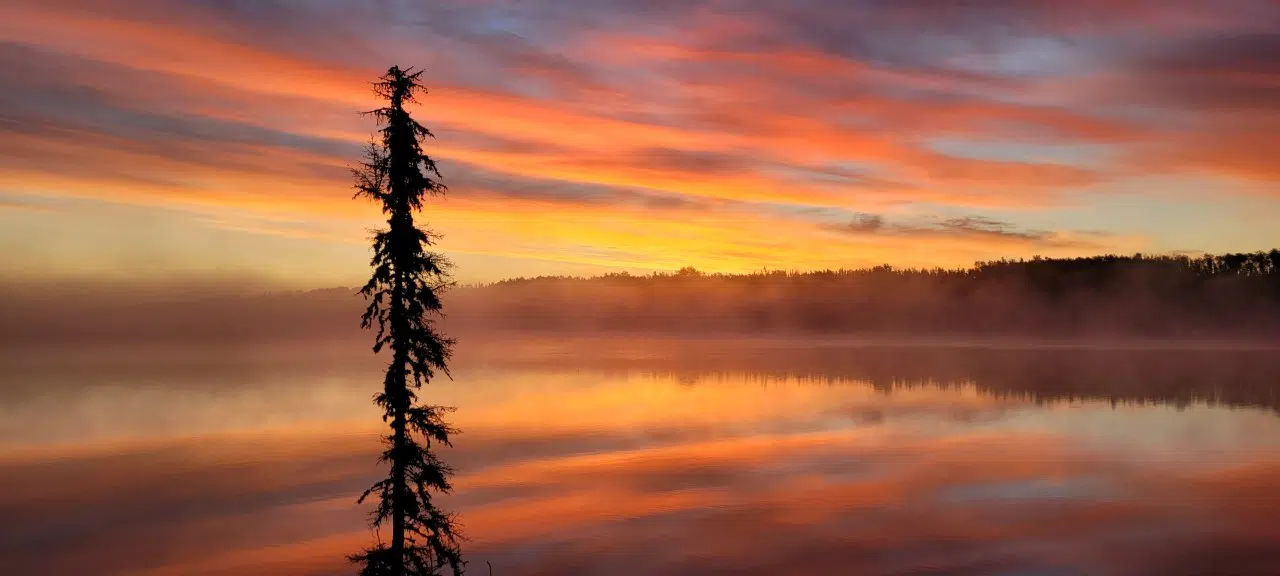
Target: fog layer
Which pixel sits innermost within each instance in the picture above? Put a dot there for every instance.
(1231, 296)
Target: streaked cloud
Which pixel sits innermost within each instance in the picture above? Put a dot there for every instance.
(641, 135)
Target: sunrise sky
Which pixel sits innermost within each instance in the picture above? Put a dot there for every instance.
(161, 139)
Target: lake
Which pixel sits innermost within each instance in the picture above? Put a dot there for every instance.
(631, 456)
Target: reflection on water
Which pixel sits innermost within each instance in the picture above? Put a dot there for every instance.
(628, 457)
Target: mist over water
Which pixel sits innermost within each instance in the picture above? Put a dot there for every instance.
(642, 456)
(1225, 298)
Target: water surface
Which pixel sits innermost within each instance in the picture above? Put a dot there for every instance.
(657, 457)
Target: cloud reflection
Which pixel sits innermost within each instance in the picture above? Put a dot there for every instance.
(625, 469)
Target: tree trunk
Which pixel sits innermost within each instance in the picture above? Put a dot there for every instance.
(397, 502)
(399, 406)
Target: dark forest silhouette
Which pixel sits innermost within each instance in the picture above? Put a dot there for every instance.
(1154, 296)
(403, 296)
(1234, 296)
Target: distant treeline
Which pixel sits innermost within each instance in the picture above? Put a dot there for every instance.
(1227, 296)
(1153, 296)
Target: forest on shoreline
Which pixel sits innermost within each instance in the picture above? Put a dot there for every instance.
(1154, 296)
(1212, 296)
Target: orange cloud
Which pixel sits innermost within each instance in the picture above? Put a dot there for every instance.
(692, 134)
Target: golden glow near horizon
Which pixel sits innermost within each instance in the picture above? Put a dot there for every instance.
(146, 139)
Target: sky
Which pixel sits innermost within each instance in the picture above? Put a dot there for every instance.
(155, 139)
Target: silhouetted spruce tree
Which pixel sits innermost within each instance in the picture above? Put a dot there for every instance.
(403, 296)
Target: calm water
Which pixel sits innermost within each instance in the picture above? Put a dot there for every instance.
(631, 457)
